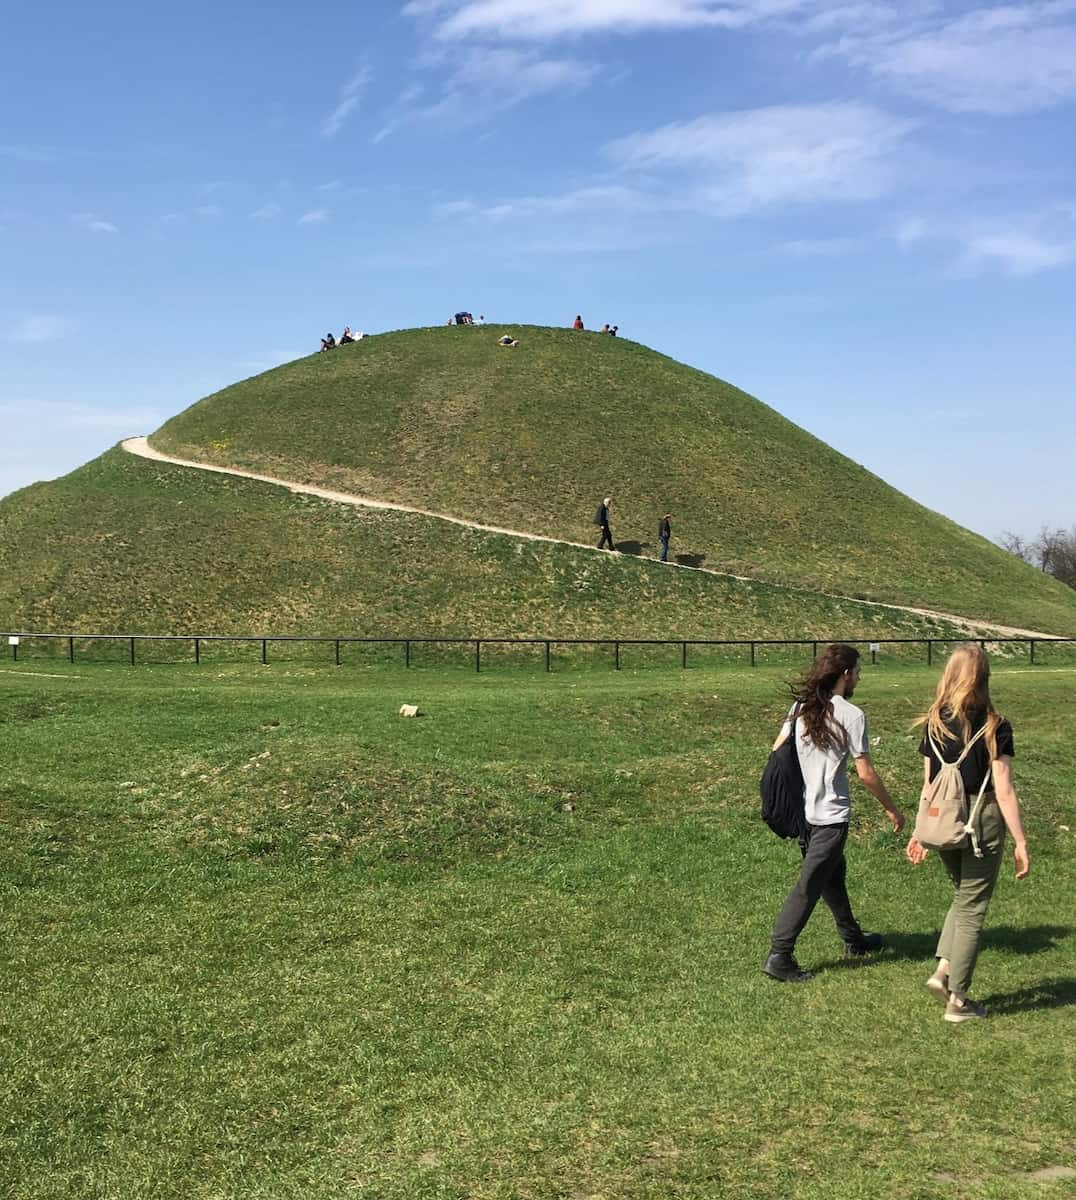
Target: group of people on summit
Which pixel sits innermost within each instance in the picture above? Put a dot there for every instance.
(607, 328)
(328, 342)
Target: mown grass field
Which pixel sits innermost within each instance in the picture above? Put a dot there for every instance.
(261, 937)
(131, 546)
(532, 438)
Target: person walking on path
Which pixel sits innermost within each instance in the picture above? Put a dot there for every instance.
(827, 729)
(601, 517)
(962, 721)
(664, 533)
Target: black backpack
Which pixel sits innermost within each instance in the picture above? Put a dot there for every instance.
(781, 788)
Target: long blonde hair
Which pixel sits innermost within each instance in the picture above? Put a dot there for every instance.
(963, 691)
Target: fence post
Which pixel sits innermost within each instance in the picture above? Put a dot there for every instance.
(337, 651)
(547, 667)
(197, 652)
(477, 654)
(1031, 644)
(617, 652)
(814, 650)
(71, 649)
(752, 654)
(14, 651)
(264, 657)
(132, 652)
(683, 655)
(930, 651)
(407, 652)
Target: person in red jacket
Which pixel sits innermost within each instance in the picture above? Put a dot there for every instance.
(577, 323)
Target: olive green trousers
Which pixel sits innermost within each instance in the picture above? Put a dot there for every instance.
(973, 882)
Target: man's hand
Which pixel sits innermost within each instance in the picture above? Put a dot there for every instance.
(897, 819)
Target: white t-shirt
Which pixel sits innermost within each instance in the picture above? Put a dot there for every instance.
(826, 796)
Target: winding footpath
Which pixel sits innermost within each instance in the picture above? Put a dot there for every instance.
(140, 446)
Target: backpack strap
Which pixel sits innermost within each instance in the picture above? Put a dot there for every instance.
(963, 753)
(969, 827)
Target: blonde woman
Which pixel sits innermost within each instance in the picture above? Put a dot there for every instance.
(962, 713)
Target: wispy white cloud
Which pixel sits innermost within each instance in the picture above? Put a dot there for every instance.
(208, 211)
(820, 247)
(1018, 244)
(997, 60)
(94, 224)
(523, 20)
(599, 201)
(786, 154)
(910, 231)
(1020, 252)
(347, 101)
(315, 216)
(267, 211)
(41, 327)
(483, 83)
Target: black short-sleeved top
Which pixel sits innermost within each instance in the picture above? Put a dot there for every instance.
(977, 764)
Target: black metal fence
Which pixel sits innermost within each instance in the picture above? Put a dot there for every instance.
(200, 645)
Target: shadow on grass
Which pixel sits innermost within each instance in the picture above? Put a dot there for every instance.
(632, 548)
(690, 560)
(919, 947)
(1047, 993)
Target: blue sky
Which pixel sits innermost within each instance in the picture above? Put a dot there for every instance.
(863, 213)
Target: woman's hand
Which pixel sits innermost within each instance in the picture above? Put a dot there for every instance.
(914, 852)
(1023, 862)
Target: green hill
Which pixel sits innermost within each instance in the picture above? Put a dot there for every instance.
(125, 544)
(530, 438)
(526, 438)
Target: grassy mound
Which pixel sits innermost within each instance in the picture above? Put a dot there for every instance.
(125, 544)
(530, 438)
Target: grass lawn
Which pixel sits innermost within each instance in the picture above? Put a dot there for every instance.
(261, 937)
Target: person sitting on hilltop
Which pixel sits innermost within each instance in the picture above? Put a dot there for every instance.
(346, 337)
(507, 340)
(577, 323)
(604, 328)
(328, 342)
(612, 332)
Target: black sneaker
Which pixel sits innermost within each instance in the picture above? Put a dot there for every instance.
(867, 944)
(785, 968)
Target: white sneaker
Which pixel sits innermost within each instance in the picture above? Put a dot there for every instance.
(963, 1010)
(938, 987)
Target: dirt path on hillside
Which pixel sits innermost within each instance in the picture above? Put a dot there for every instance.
(141, 447)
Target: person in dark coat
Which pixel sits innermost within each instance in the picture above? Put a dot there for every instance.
(601, 517)
(664, 533)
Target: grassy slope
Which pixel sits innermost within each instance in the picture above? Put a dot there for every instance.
(259, 937)
(531, 438)
(127, 545)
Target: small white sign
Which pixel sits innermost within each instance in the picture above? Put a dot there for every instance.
(13, 640)
(874, 647)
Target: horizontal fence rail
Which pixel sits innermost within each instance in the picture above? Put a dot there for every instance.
(197, 642)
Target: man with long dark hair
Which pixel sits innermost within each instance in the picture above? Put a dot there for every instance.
(827, 729)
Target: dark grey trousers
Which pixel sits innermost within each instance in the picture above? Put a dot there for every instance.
(822, 876)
